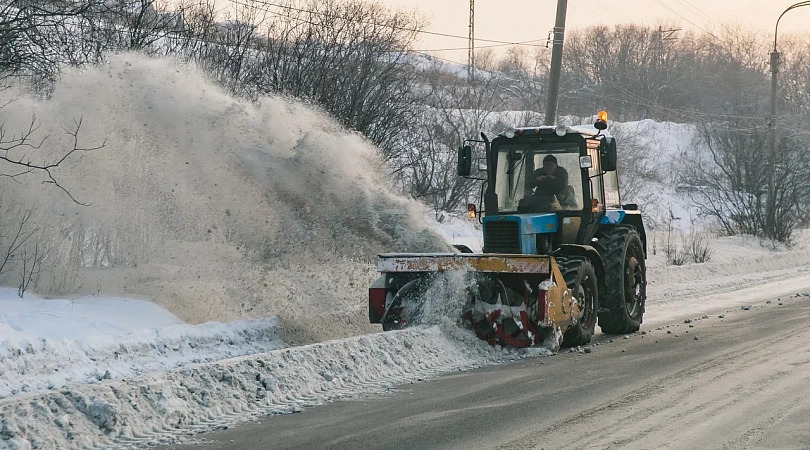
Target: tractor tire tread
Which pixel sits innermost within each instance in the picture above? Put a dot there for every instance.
(613, 243)
(570, 267)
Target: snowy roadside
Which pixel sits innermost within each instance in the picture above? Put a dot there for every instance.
(54, 344)
(162, 407)
(136, 385)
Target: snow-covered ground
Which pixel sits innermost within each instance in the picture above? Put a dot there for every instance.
(265, 218)
(76, 373)
(120, 383)
(54, 344)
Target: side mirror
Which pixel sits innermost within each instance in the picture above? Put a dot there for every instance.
(608, 152)
(464, 161)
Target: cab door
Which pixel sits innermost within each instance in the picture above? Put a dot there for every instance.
(597, 192)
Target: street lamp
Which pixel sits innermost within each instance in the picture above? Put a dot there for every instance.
(770, 207)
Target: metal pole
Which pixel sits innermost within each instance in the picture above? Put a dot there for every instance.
(556, 63)
(471, 43)
(770, 213)
(770, 201)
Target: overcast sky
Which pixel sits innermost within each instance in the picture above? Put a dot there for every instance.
(524, 20)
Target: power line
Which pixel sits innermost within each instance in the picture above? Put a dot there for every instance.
(697, 10)
(640, 101)
(654, 104)
(686, 115)
(479, 47)
(675, 11)
(351, 19)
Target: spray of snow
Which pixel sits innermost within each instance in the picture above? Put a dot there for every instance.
(216, 208)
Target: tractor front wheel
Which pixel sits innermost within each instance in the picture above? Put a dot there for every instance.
(580, 277)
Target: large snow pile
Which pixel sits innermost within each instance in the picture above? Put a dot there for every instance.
(214, 207)
(651, 154)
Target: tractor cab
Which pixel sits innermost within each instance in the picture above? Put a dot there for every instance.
(559, 249)
(544, 187)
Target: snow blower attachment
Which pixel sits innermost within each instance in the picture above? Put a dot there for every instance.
(560, 251)
(516, 300)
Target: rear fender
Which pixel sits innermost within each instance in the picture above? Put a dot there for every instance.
(634, 219)
(628, 216)
(377, 294)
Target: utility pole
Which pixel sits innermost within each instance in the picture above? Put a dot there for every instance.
(663, 37)
(770, 200)
(661, 67)
(556, 63)
(471, 44)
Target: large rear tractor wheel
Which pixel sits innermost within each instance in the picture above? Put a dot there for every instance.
(625, 280)
(581, 280)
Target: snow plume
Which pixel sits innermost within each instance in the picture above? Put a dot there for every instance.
(214, 207)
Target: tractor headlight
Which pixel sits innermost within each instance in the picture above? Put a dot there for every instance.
(560, 130)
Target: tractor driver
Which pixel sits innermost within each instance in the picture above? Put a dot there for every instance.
(551, 187)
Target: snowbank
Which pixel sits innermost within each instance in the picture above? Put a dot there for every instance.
(163, 406)
(737, 262)
(54, 344)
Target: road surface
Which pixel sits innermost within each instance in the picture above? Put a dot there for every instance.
(743, 383)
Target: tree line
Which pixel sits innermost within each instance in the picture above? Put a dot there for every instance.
(353, 59)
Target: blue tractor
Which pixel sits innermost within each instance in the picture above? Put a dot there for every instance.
(560, 254)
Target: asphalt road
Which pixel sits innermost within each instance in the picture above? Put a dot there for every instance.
(744, 383)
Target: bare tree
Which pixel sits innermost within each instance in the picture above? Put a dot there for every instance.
(485, 59)
(516, 60)
(136, 24)
(795, 65)
(426, 166)
(35, 36)
(30, 267)
(15, 159)
(17, 230)
(645, 72)
(729, 181)
(348, 56)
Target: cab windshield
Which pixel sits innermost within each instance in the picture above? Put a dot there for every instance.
(538, 177)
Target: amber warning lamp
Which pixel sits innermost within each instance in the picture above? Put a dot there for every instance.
(601, 121)
(471, 210)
